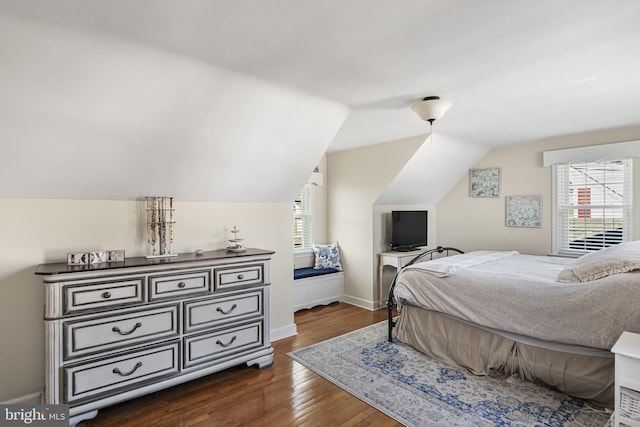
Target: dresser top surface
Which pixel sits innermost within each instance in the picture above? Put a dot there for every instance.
(628, 345)
(62, 267)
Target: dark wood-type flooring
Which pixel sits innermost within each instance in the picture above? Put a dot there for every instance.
(284, 394)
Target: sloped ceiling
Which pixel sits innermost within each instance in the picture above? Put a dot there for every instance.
(436, 167)
(86, 116)
(198, 82)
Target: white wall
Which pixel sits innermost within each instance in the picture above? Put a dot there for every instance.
(356, 180)
(479, 223)
(38, 231)
(321, 206)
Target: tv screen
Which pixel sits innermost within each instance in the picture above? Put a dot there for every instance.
(408, 230)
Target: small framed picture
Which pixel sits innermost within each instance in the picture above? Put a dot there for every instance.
(97, 257)
(77, 258)
(524, 211)
(86, 258)
(114, 256)
(484, 182)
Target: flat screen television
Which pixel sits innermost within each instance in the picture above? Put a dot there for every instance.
(408, 230)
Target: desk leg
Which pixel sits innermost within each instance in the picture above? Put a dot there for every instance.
(380, 277)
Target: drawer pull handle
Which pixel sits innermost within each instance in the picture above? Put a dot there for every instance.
(182, 285)
(227, 344)
(106, 295)
(240, 276)
(136, 326)
(233, 307)
(126, 374)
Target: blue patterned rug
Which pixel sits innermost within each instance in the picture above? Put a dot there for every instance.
(416, 390)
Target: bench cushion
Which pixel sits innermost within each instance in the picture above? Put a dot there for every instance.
(301, 273)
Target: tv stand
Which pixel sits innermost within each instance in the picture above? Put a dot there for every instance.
(395, 258)
(406, 249)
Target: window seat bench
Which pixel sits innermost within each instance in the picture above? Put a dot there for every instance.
(316, 287)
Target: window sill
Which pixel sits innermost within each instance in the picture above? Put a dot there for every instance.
(302, 253)
(567, 255)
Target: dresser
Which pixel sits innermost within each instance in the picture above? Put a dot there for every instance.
(115, 331)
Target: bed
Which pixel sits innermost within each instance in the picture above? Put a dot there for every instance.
(542, 318)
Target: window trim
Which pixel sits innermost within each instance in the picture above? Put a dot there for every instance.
(307, 246)
(627, 208)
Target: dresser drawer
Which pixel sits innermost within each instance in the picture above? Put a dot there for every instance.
(107, 333)
(205, 348)
(91, 296)
(214, 311)
(629, 368)
(234, 277)
(178, 285)
(113, 375)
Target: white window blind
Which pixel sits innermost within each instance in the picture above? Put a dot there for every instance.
(593, 205)
(302, 218)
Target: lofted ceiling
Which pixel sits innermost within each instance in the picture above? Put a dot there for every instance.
(515, 70)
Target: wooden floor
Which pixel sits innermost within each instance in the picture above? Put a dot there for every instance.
(284, 394)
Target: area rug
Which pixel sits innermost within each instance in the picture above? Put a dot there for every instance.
(416, 390)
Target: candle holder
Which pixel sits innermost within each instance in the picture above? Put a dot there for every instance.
(159, 227)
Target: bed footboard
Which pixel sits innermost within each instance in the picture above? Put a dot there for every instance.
(425, 256)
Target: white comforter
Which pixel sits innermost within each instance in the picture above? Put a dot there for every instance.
(519, 294)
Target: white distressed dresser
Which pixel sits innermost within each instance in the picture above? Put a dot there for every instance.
(115, 331)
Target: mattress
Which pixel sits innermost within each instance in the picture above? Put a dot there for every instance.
(519, 294)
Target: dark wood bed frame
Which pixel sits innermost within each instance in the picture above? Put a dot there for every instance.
(425, 256)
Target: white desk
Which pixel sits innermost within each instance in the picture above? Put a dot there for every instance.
(393, 259)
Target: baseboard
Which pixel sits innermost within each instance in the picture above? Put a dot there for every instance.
(360, 302)
(284, 332)
(30, 399)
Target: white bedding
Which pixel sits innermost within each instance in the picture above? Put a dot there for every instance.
(448, 266)
(519, 293)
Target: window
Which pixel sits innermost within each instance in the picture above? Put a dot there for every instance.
(302, 219)
(593, 205)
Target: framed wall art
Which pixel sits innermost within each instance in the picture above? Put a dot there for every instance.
(524, 211)
(484, 182)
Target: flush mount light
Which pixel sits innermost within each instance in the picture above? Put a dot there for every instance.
(431, 108)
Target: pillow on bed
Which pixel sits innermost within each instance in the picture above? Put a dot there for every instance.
(605, 262)
(327, 256)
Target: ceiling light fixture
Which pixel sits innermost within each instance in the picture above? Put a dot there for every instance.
(431, 109)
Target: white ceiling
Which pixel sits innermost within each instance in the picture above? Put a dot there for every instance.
(515, 70)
